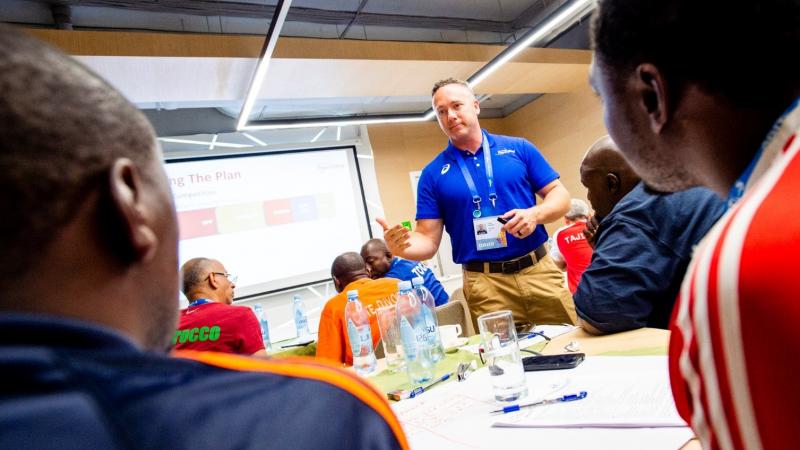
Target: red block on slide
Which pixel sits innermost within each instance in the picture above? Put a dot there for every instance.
(197, 223)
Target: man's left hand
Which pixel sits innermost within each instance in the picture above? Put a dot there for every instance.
(521, 222)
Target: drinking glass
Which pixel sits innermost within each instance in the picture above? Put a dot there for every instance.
(390, 337)
(501, 351)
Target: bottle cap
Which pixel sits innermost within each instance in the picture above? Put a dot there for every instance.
(404, 285)
(352, 295)
(417, 281)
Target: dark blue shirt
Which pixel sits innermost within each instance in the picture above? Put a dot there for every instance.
(519, 172)
(642, 250)
(403, 270)
(72, 385)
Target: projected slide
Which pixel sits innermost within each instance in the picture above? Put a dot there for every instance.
(275, 219)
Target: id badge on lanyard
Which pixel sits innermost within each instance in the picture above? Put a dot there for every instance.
(487, 230)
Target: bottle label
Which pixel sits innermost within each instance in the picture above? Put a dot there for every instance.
(300, 321)
(360, 338)
(430, 325)
(408, 336)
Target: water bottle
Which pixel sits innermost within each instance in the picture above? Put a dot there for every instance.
(415, 335)
(300, 320)
(360, 334)
(431, 322)
(262, 321)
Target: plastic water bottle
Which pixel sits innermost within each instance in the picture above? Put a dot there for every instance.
(360, 334)
(431, 322)
(415, 335)
(262, 321)
(300, 319)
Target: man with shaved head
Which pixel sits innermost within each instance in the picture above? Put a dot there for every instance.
(643, 244)
(381, 263)
(349, 272)
(210, 322)
(88, 304)
(483, 188)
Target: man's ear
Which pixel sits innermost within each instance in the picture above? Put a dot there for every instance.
(613, 182)
(136, 236)
(337, 285)
(653, 96)
(212, 280)
(477, 106)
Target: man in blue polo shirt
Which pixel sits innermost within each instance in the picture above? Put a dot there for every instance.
(482, 188)
(381, 264)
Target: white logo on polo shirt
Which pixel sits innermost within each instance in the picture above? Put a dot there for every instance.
(505, 150)
(445, 168)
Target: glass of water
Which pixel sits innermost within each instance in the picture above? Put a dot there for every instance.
(503, 359)
(390, 338)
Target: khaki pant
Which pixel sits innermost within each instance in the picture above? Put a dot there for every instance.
(535, 295)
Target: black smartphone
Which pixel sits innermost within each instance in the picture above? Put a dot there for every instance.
(501, 220)
(552, 362)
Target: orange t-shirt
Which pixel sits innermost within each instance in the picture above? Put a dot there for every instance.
(333, 343)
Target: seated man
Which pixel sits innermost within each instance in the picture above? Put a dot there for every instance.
(643, 244)
(88, 300)
(349, 272)
(569, 248)
(211, 322)
(381, 264)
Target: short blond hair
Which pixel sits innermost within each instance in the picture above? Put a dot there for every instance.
(446, 81)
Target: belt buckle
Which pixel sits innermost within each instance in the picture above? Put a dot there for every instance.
(510, 266)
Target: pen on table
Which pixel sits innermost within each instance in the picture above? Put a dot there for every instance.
(402, 394)
(566, 398)
(415, 392)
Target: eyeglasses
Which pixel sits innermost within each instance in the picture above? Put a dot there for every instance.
(231, 277)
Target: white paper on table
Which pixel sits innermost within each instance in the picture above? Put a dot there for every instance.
(550, 331)
(456, 415)
(623, 392)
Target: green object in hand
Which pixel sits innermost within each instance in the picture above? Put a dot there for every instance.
(406, 224)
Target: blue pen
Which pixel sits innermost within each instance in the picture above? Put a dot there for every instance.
(566, 398)
(422, 389)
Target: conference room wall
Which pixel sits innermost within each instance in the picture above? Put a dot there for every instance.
(562, 126)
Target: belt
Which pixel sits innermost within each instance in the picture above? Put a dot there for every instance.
(511, 266)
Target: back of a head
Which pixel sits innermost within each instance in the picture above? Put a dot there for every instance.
(725, 48)
(605, 156)
(193, 273)
(346, 265)
(578, 210)
(62, 127)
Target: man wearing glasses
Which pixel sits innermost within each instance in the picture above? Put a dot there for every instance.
(211, 323)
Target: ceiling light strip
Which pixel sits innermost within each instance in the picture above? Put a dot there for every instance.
(559, 21)
(333, 122)
(275, 25)
(204, 143)
(254, 139)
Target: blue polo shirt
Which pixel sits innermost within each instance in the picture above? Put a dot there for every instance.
(519, 172)
(642, 250)
(403, 269)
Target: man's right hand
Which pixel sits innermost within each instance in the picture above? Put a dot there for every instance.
(591, 231)
(396, 237)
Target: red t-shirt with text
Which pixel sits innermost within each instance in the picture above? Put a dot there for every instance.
(570, 246)
(218, 327)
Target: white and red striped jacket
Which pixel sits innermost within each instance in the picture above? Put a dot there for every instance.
(735, 345)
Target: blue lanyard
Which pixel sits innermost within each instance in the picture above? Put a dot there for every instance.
(737, 191)
(487, 159)
(199, 301)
